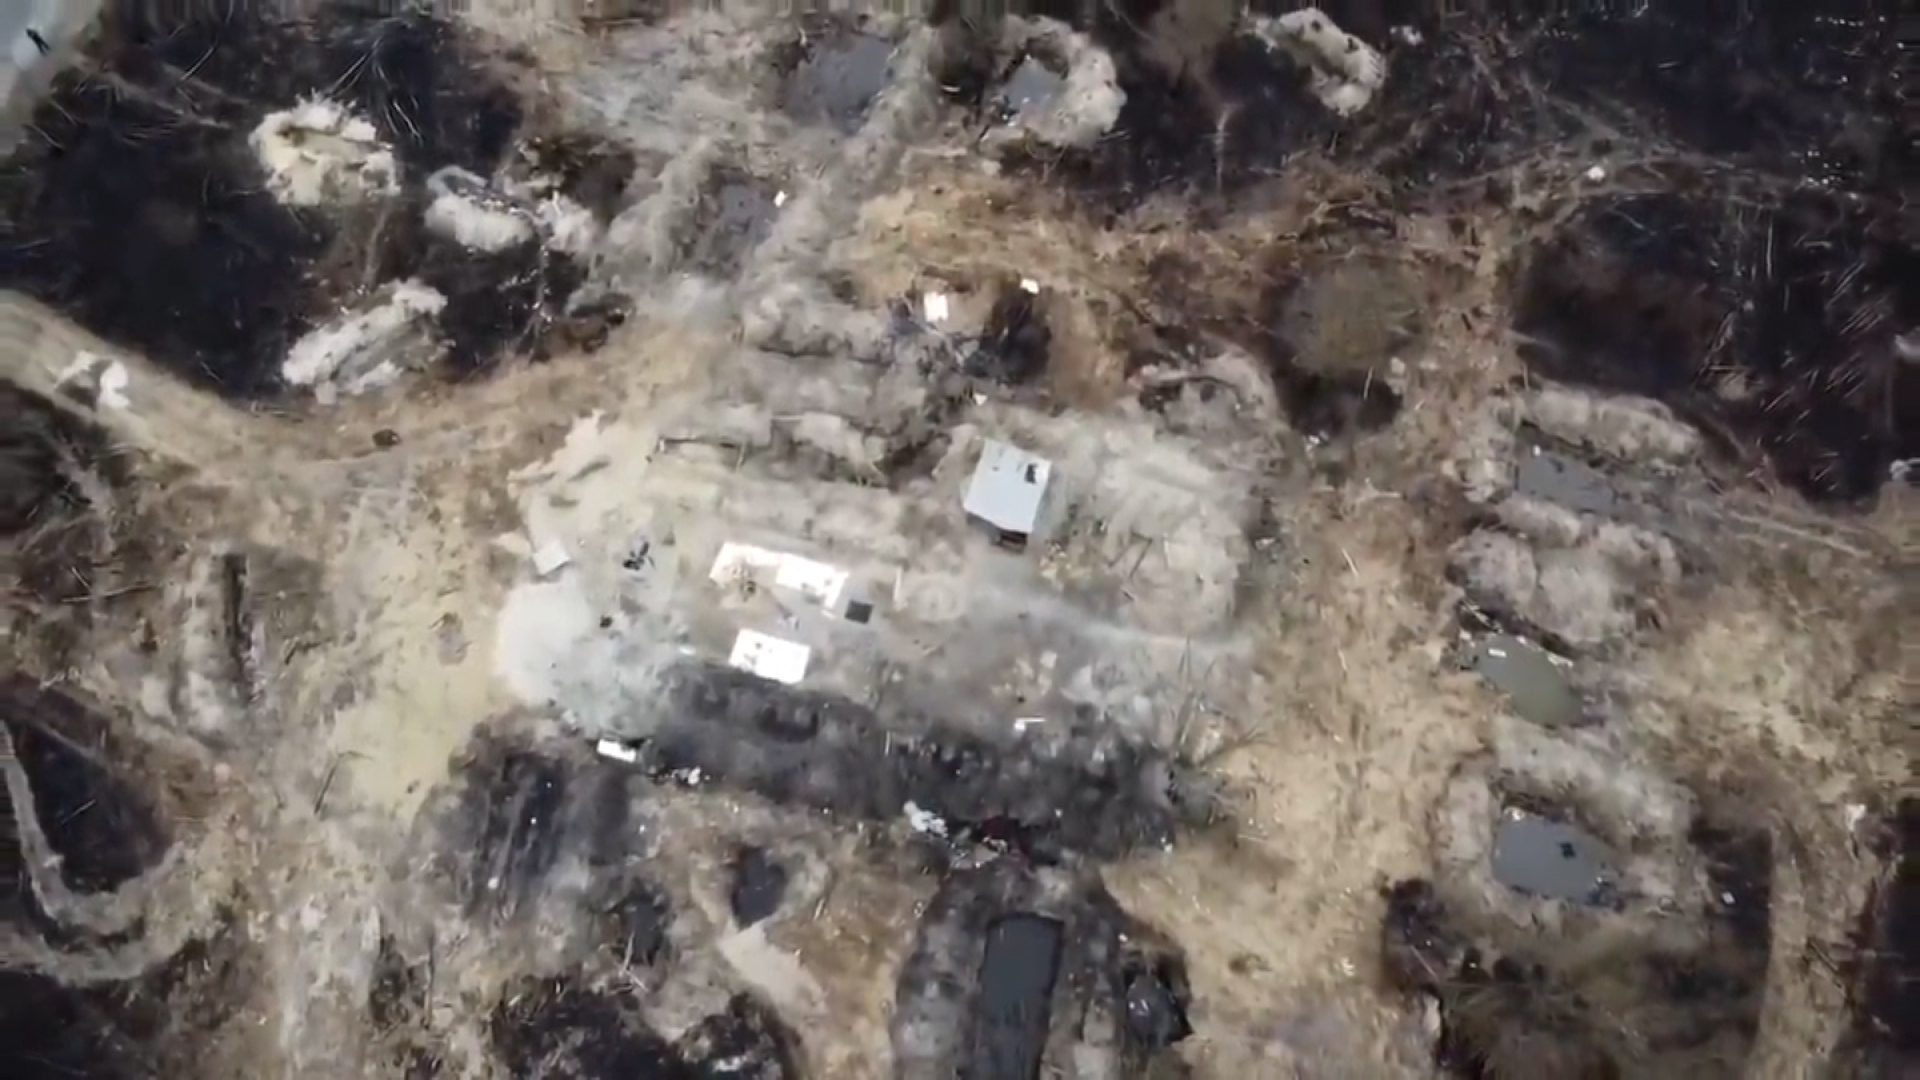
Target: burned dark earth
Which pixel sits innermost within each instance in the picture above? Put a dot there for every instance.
(587, 539)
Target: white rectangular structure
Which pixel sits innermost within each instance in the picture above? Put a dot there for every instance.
(770, 657)
(817, 581)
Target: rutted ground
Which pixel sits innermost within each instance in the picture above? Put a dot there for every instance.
(1236, 769)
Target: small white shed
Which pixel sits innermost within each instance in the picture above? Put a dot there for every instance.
(1007, 490)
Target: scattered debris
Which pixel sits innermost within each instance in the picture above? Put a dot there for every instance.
(319, 154)
(364, 350)
(1007, 491)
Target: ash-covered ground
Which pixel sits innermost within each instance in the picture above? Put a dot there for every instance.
(1150, 539)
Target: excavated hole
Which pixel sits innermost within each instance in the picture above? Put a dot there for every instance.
(1521, 1002)
(833, 73)
(736, 212)
(1885, 967)
(1018, 971)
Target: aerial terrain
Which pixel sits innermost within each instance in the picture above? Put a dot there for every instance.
(577, 539)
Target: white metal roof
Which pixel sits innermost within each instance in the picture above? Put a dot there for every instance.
(1007, 487)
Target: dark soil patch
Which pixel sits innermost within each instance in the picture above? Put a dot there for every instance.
(1771, 327)
(561, 1030)
(759, 885)
(636, 926)
(558, 1029)
(510, 815)
(428, 90)
(106, 830)
(1092, 794)
(591, 171)
(155, 232)
(1206, 111)
(1014, 345)
(52, 466)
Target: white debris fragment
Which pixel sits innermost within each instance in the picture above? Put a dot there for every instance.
(618, 751)
(817, 581)
(569, 227)
(769, 657)
(1021, 724)
(550, 557)
(1345, 72)
(1596, 174)
(368, 347)
(113, 386)
(934, 305)
(925, 821)
(1856, 813)
(1030, 286)
(466, 211)
(779, 199)
(1407, 35)
(317, 152)
(110, 378)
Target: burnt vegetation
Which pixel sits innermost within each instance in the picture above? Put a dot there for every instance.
(136, 205)
(1714, 192)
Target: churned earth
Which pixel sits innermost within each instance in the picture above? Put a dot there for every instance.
(490, 592)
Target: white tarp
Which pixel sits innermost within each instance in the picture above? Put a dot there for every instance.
(770, 657)
(817, 581)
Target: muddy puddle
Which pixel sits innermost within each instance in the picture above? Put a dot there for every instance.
(1553, 859)
(1031, 88)
(175, 194)
(834, 74)
(1533, 683)
(737, 212)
